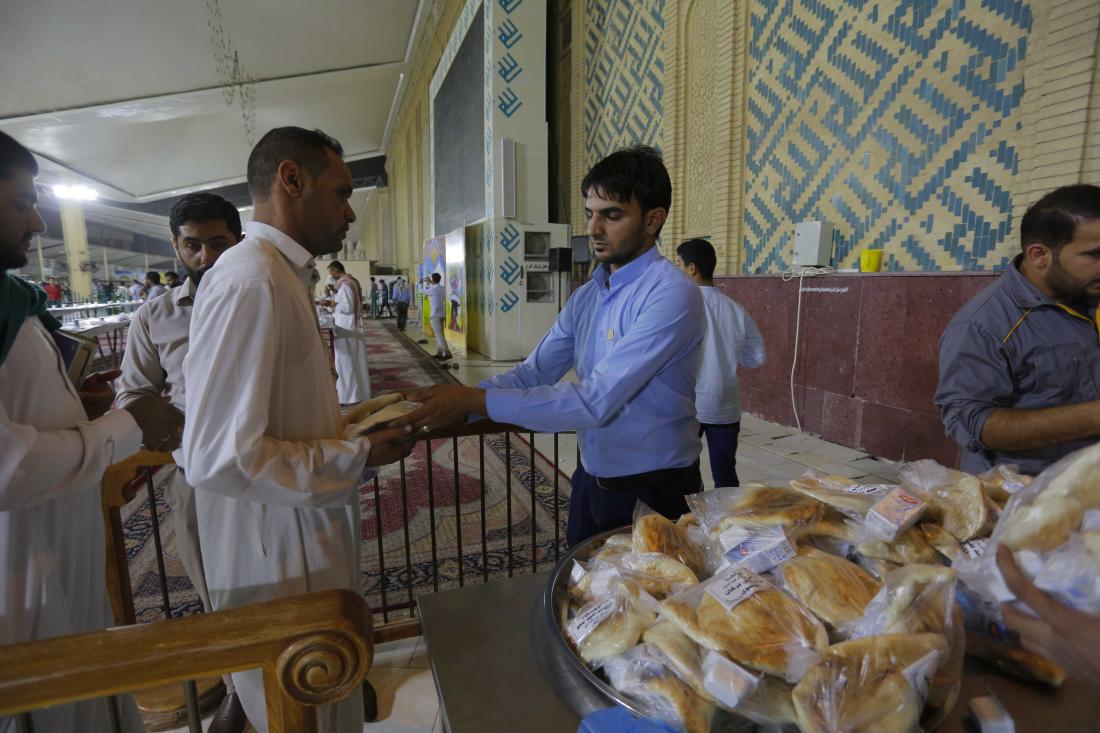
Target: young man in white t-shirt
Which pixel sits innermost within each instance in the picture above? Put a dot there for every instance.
(731, 340)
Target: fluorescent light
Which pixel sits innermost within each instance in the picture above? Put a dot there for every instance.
(77, 193)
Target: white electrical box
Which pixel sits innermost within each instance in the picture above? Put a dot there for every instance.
(813, 244)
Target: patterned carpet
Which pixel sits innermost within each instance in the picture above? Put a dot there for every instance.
(536, 519)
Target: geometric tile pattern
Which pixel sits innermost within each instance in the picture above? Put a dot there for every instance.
(896, 120)
(623, 79)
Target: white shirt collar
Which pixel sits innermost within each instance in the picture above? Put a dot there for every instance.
(298, 255)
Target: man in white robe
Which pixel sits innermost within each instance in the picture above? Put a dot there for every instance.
(352, 373)
(276, 482)
(52, 456)
(203, 226)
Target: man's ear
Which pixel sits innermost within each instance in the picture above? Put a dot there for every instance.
(1039, 255)
(654, 220)
(291, 178)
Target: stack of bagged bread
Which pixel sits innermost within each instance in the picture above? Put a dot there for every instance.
(825, 605)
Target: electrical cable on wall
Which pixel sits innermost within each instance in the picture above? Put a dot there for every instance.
(788, 275)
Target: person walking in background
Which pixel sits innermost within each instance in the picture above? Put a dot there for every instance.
(53, 292)
(384, 294)
(352, 374)
(731, 340)
(401, 298)
(171, 280)
(137, 290)
(153, 288)
(373, 298)
(437, 300)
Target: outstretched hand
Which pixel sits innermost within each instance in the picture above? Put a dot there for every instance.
(389, 445)
(1063, 634)
(444, 406)
(96, 392)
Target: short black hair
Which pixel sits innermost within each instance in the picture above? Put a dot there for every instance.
(338, 266)
(436, 277)
(172, 275)
(699, 252)
(636, 173)
(204, 206)
(154, 276)
(14, 155)
(1052, 219)
(304, 147)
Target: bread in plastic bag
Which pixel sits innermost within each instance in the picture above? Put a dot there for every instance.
(1051, 525)
(868, 685)
(756, 547)
(956, 499)
(643, 674)
(920, 599)
(910, 547)
(654, 532)
(942, 541)
(612, 623)
(842, 494)
(745, 617)
(658, 574)
(834, 589)
(1002, 481)
(756, 506)
(681, 653)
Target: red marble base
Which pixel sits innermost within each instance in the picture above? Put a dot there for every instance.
(867, 356)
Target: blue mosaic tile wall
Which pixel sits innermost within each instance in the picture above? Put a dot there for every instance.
(897, 121)
(624, 75)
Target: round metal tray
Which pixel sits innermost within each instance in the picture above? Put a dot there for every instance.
(556, 604)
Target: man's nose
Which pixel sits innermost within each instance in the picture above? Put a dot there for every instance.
(37, 225)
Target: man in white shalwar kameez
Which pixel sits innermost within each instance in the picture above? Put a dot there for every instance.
(276, 482)
(53, 453)
(203, 226)
(352, 373)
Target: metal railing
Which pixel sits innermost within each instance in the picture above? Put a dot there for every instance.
(471, 564)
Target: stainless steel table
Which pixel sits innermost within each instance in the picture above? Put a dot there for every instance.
(497, 668)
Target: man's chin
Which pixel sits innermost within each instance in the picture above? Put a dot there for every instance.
(12, 260)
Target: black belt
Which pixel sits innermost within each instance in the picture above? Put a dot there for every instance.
(636, 480)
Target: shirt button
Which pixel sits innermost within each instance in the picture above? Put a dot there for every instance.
(610, 334)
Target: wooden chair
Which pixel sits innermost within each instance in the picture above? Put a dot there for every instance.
(313, 649)
(163, 707)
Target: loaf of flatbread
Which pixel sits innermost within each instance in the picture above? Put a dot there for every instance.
(860, 686)
(960, 508)
(832, 588)
(371, 406)
(843, 494)
(656, 533)
(378, 420)
(771, 703)
(681, 652)
(769, 506)
(909, 547)
(759, 632)
(688, 709)
(659, 574)
(942, 541)
(832, 525)
(618, 632)
(1057, 510)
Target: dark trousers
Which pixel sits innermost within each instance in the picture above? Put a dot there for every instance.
(593, 509)
(722, 447)
(402, 315)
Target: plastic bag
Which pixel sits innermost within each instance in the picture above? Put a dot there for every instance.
(891, 516)
(833, 589)
(842, 494)
(869, 685)
(755, 506)
(656, 533)
(920, 599)
(1053, 526)
(1001, 482)
(611, 623)
(908, 548)
(956, 500)
(643, 674)
(745, 617)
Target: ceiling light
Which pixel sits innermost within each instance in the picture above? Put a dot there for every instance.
(76, 193)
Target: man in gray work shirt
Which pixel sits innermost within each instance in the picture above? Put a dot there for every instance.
(1020, 363)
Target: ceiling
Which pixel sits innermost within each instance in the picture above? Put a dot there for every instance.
(147, 99)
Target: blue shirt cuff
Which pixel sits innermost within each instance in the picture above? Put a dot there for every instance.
(504, 405)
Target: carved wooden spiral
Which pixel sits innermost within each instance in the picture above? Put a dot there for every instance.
(321, 668)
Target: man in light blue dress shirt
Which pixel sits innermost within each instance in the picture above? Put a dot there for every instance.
(633, 335)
